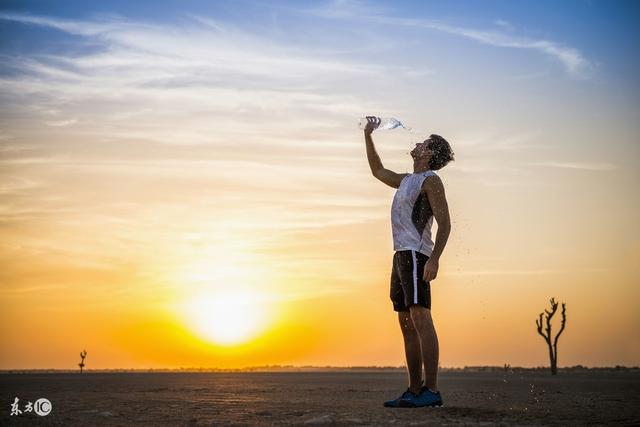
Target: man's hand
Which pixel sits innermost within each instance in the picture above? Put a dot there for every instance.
(431, 269)
(372, 123)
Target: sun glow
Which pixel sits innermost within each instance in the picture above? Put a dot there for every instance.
(229, 317)
(225, 301)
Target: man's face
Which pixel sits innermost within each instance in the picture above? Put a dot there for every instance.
(421, 150)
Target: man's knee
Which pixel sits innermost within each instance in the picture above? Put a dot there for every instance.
(406, 322)
(419, 314)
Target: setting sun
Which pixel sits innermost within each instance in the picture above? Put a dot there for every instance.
(222, 301)
(226, 318)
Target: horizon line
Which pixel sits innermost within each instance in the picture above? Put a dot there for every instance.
(267, 368)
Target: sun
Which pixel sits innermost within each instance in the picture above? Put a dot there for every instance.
(227, 318)
(224, 293)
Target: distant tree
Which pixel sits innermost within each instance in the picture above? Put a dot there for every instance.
(83, 354)
(546, 334)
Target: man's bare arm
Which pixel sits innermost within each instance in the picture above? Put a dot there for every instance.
(387, 176)
(434, 189)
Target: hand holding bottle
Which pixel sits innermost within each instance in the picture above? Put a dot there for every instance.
(382, 123)
(371, 124)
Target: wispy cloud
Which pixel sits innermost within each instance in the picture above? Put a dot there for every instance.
(571, 58)
(141, 75)
(61, 123)
(499, 140)
(205, 45)
(523, 272)
(504, 24)
(13, 185)
(579, 166)
(83, 28)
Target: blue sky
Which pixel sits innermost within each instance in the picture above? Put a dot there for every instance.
(602, 33)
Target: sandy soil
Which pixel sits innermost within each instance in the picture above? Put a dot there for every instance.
(329, 398)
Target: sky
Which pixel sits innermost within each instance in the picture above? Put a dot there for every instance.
(184, 184)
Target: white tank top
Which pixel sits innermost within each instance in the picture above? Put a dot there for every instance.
(411, 215)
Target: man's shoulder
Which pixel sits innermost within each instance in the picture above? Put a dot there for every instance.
(403, 176)
(432, 181)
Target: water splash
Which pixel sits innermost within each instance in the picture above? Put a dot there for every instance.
(415, 135)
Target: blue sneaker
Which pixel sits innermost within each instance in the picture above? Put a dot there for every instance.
(394, 403)
(425, 397)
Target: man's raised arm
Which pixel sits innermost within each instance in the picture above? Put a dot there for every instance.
(387, 176)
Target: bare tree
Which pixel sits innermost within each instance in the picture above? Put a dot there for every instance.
(546, 334)
(83, 354)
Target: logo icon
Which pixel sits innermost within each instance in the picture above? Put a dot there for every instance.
(42, 407)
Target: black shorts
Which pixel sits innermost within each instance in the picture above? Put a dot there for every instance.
(407, 283)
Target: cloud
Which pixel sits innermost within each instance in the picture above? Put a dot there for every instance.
(500, 140)
(61, 123)
(145, 78)
(16, 185)
(579, 166)
(84, 28)
(504, 24)
(524, 272)
(571, 58)
(207, 46)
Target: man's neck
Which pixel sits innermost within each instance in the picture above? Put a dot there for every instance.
(420, 167)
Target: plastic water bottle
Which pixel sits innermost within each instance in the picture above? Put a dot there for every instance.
(385, 123)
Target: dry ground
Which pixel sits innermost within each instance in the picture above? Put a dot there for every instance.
(329, 398)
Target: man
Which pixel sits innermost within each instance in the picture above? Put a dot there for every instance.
(418, 200)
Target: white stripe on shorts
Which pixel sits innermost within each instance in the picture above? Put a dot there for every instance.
(415, 278)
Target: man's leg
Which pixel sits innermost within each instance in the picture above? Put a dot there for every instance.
(423, 323)
(412, 350)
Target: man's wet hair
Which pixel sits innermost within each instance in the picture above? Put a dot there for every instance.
(442, 152)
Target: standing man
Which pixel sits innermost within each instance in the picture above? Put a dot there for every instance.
(418, 200)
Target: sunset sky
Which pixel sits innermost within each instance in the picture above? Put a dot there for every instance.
(186, 185)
